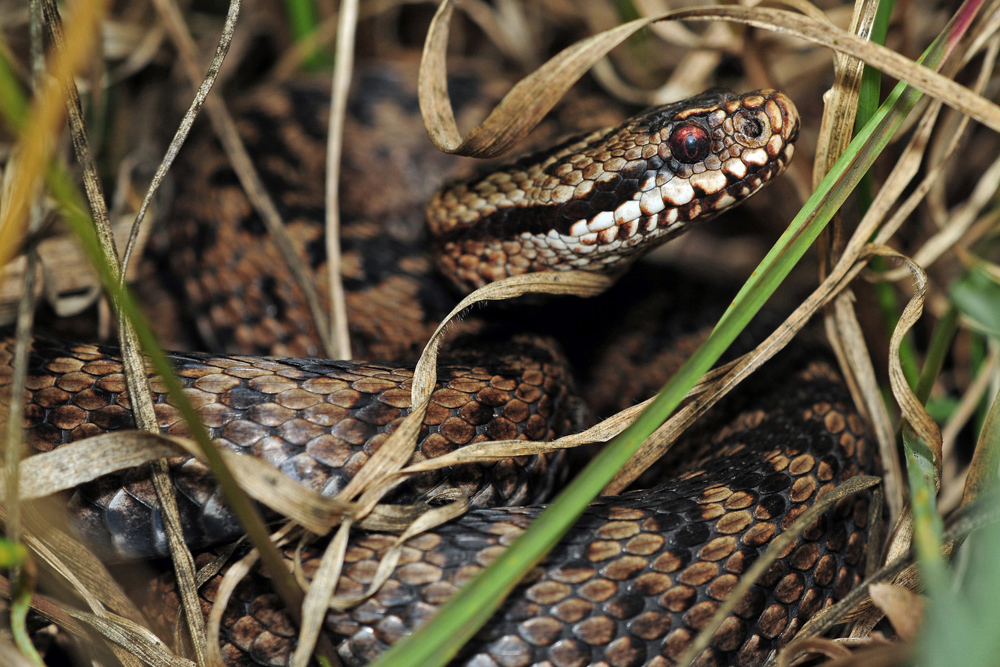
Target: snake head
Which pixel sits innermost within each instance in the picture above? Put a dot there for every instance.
(599, 201)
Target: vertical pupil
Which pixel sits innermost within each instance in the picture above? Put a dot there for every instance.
(691, 144)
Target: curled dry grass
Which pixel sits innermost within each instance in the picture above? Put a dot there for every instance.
(958, 249)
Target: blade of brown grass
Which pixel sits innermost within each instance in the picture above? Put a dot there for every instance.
(347, 20)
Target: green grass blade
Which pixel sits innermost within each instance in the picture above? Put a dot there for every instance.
(868, 95)
(303, 19)
(937, 350)
(960, 627)
(976, 296)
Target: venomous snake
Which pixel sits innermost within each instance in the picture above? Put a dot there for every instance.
(639, 574)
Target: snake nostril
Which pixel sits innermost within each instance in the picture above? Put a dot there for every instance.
(749, 127)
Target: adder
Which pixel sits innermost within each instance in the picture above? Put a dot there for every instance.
(640, 573)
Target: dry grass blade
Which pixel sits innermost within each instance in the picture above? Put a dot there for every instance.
(223, 593)
(340, 341)
(135, 639)
(495, 450)
(427, 521)
(320, 591)
(900, 571)
(775, 550)
(915, 153)
(959, 221)
(912, 408)
(86, 460)
(848, 342)
(837, 125)
(268, 486)
(714, 390)
(377, 476)
(84, 574)
(248, 514)
(181, 556)
(886, 655)
(524, 106)
(812, 647)
(56, 613)
(903, 608)
(69, 52)
(856, 603)
(318, 596)
(78, 566)
(856, 362)
(927, 81)
(842, 327)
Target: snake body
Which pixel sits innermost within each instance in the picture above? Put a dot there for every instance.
(316, 421)
(640, 573)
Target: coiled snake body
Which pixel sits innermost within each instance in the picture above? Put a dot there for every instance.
(639, 574)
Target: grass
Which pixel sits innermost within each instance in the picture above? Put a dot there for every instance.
(960, 613)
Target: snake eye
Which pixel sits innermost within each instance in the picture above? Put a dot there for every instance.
(689, 144)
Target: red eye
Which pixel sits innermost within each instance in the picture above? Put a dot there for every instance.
(689, 144)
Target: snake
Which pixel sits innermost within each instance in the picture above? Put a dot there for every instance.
(639, 574)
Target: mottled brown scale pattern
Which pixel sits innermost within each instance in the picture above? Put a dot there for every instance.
(316, 421)
(638, 575)
(242, 297)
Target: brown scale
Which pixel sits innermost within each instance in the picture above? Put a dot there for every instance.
(317, 421)
(638, 575)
